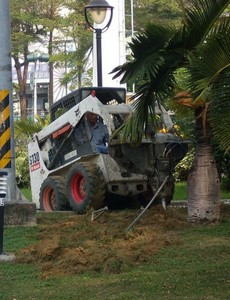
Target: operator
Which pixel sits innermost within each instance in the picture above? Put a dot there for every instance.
(100, 134)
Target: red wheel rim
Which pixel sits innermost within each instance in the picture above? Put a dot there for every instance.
(78, 188)
(49, 199)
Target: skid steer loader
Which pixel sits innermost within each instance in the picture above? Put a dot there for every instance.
(67, 172)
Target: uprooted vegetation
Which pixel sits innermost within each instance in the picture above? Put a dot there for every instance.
(68, 243)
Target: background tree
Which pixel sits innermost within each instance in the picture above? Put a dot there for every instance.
(157, 11)
(158, 53)
(75, 62)
(51, 20)
(24, 31)
(48, 23)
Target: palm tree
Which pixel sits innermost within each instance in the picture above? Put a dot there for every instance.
(28, 127)
(201, 46)
(23, 132)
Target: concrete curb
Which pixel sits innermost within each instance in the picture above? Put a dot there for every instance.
(20, 213)
(5, 257)
(183, 203)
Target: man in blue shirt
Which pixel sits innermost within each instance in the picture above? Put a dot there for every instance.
(100, 134)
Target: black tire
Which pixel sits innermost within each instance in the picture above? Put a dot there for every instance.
(85, 187)
(52, 195)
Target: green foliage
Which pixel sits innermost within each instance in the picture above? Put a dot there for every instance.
(159, 11)
(183, 167)
(223, 165)
(225, 183)
(36, 22)
(160, 51)
(219, 112)
(72, 51)
(22, 166)
(29, 126)
(23, 131)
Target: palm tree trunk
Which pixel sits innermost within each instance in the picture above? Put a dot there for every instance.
(203, 179)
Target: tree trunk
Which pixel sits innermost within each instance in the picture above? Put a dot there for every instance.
(23, 105)
(203, 179)
(22, 77)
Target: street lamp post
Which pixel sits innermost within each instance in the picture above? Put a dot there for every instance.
(36, 58)
(98, 10)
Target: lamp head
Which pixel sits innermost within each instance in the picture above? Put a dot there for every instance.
(98, 10)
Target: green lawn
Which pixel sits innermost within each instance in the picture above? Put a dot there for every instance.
(181, 192)
(27, 193)
(196, 267)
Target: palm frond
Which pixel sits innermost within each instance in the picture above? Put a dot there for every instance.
(146, 67)
(151, 40)
(160, 51)
(30, 126)
(147, 53)
(209, 61)
(137, 125)
(200, 17)
(43, 120)
(220, 110)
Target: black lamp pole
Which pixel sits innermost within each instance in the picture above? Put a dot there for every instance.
(98, 10)
(99, 57)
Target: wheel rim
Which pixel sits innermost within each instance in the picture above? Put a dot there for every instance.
(49, 199)
(78, 188)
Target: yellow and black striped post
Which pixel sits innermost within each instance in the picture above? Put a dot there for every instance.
(5, 147)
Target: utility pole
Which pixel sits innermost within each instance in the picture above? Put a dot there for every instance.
(7, 155)
(15, 211)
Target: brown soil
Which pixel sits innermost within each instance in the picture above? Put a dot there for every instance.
(69, 243)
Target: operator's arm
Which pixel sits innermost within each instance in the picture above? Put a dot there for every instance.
(101, 138)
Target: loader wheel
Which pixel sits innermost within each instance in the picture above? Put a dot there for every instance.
(85, 187)
(52, 194)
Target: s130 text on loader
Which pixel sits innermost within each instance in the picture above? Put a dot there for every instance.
(67, 172)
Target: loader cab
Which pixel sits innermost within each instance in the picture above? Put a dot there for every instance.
(107, 96)
(72, 146)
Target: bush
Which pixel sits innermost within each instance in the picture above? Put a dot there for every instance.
(182, 169)
(22, 163)
(225, 183)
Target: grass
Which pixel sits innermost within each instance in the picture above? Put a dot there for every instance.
(179, 194)
(196, 267)
(27, 193)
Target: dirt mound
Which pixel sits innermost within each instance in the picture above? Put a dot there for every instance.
(70, 243)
